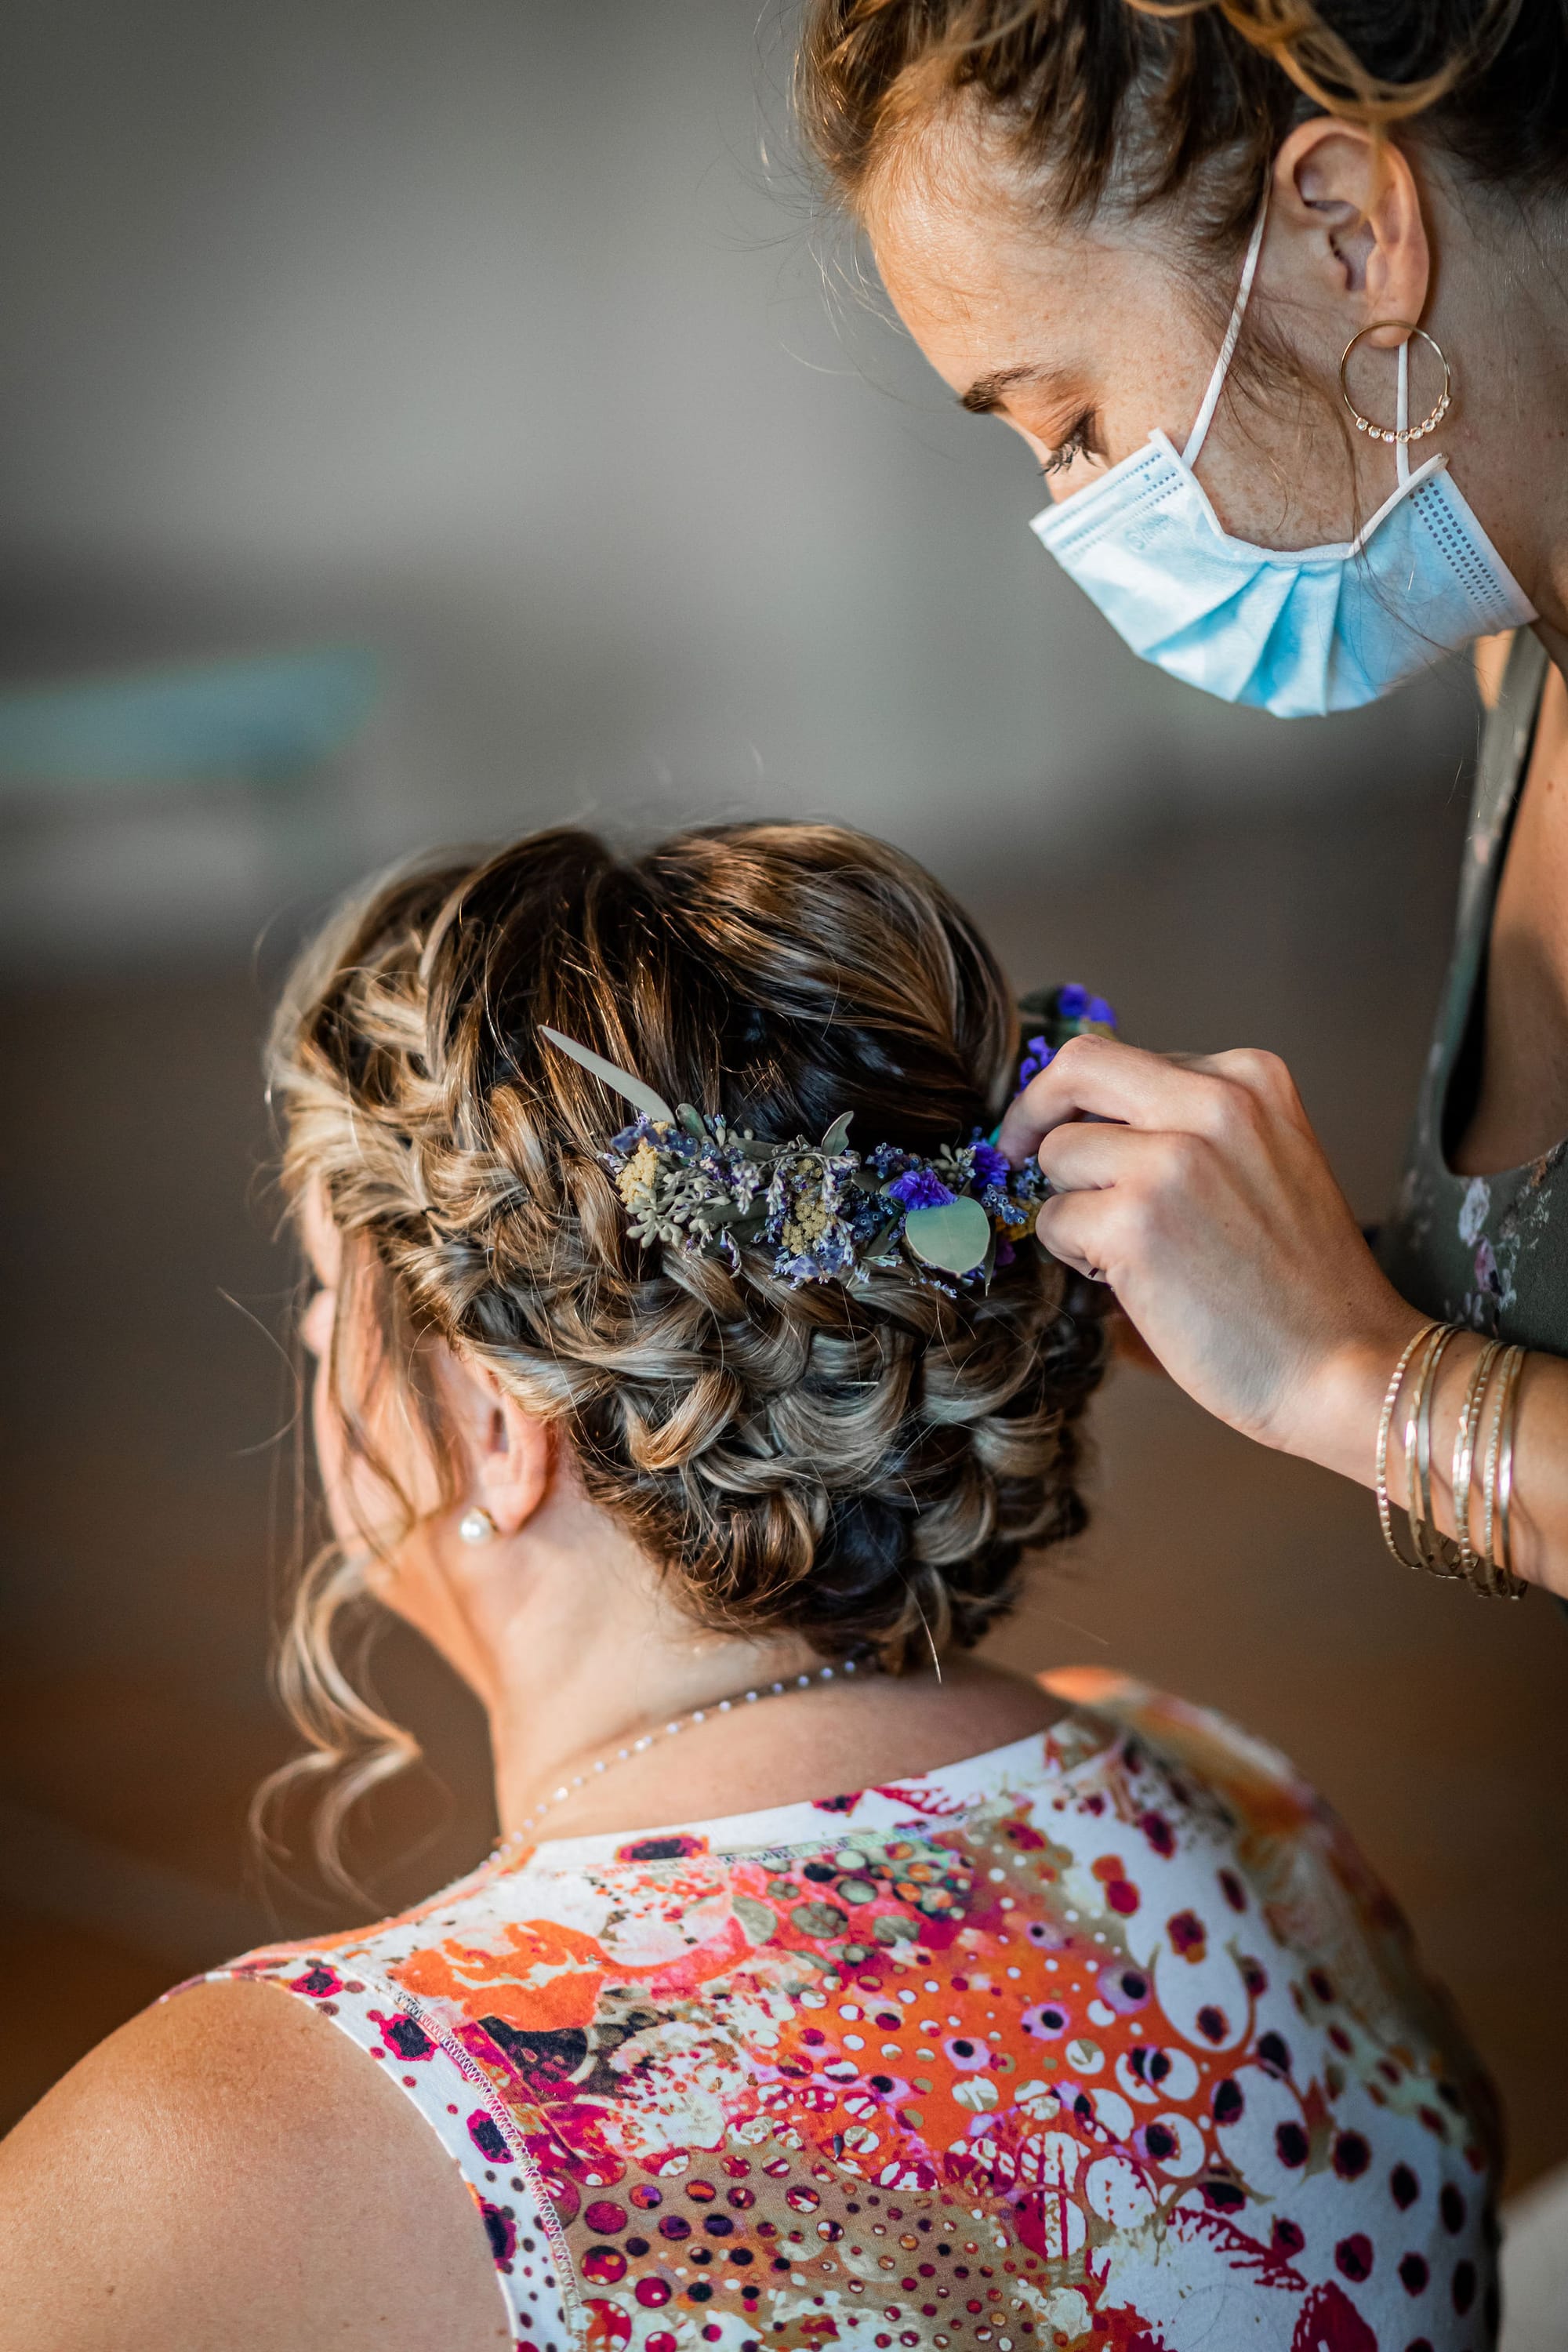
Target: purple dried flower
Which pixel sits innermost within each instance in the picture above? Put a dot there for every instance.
(1039, 1057)
(991, 1166)
(920, 1188)
(1006, 1253)
(641, 1130)
(1072, 1002)
(1099, 1011)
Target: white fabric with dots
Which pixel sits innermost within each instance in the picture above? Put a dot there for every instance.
(1105, 2035)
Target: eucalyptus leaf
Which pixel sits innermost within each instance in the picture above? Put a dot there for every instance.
(688, 1116)
(989, 1267)
(641, 1096)
(837, 1135)
(953, 1238)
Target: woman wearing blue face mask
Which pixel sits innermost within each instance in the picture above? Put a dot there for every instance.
(1276, 292)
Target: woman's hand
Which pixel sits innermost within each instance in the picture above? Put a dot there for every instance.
(1195, 1187)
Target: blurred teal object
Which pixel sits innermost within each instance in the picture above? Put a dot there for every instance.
(265, 718)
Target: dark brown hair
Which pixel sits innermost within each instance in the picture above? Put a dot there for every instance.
(864, 1466)
(1155, 103)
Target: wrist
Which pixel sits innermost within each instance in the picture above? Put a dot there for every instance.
(1337, 1427)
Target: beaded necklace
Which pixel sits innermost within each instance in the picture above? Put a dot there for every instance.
(612, 1757)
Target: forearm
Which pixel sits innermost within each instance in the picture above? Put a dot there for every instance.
(1342, 1434)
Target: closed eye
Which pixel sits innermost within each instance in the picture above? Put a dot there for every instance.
(1079, 441)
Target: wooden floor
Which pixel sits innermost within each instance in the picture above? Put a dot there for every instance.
(149, 1497)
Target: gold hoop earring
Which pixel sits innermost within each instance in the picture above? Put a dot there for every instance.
(1407, 432)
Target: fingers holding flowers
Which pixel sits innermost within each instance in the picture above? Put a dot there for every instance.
(1195, 1186)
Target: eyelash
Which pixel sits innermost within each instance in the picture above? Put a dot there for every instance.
(1077, 444)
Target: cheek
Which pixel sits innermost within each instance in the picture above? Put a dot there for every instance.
(360, 1508)
(316, 1323)
(363, 1509)
(331, 1457)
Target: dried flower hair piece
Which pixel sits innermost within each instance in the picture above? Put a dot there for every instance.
(695, 1182)
(1062, 1012)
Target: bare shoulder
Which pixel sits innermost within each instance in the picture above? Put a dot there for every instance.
(1490, 656)
(228, 2170)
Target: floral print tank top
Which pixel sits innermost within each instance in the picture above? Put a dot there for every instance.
(1107, 2040)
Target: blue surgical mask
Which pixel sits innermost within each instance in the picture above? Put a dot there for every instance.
(1324, 628)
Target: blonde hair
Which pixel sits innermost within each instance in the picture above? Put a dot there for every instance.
(864, 1466)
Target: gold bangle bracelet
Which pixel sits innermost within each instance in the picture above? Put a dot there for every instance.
(1385, 1425)
(1512, 1358)
(1428, 1542)
(1420, 1375)
(1465, 1456)
(1508, 1587)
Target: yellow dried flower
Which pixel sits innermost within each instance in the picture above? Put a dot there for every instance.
(807, 1226)
(635, 1182)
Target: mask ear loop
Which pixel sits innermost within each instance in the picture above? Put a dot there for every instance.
(1204, 418)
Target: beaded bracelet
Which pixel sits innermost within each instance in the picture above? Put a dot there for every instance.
(1385, 1423)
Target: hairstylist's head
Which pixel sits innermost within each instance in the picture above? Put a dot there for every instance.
(682, 1466)
(1072, 203)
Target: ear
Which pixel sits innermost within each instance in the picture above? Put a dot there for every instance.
(511, 1452)
(1353, 209)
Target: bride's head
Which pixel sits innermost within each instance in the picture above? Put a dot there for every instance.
(827, 1469)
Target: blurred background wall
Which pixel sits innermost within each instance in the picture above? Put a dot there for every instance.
(425, 421)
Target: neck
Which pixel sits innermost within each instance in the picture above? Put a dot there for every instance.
(570, 1694)
(1555, 641)
(570, 1637)
(1501, 313)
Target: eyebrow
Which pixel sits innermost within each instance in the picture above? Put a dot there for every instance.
(988, 392)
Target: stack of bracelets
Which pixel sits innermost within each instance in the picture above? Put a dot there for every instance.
(1487, 1567)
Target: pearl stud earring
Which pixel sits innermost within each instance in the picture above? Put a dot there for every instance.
(476, 1526)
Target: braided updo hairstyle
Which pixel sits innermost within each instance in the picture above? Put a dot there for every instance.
(862, 1466)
